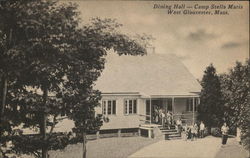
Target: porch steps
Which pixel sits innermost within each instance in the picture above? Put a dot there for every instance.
(170, 134)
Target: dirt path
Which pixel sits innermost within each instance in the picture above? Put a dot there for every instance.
(232, 150)
(209, 147)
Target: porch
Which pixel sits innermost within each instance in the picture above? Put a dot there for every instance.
(180, 107)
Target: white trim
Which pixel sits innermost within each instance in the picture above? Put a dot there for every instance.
(106, 107)
(127, 100)
(173, 106)
(175, 96)
(146, 96)
(193, 110)
(122, 94)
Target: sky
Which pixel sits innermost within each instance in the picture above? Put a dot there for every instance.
(197, 40)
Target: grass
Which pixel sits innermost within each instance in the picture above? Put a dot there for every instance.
(123, 147)
(114, 147)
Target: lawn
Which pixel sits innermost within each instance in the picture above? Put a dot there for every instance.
(114, 147)
(122, 147)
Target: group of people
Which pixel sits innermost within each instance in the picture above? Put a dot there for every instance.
(166, 120)
(196, 131)
(192, 132)
(188, 132)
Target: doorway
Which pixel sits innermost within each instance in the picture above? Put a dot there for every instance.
(158, 106)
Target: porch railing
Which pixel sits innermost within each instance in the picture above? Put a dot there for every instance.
(186, 117)
(145, 119)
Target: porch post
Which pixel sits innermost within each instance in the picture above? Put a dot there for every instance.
(193, 110)
(150, 103)
(173, 108)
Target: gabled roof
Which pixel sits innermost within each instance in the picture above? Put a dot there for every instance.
(152, 74)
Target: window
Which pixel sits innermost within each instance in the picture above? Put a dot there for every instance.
(148, 107)
(196, 103)
(109, 107)
(114, 107)
(130, 106)
(169, 105)
(189, 104)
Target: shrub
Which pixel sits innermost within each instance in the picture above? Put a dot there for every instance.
(215, 131)
(206, 132)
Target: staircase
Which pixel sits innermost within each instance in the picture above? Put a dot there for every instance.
(170, 134)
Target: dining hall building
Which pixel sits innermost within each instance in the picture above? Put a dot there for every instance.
(135, 88)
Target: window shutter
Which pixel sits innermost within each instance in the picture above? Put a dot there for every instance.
(135, 106)
(114, 107)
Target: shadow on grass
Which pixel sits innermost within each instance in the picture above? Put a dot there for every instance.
(117, 147)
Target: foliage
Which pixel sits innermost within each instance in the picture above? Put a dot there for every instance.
(50, 62)
(236, 93)
(206, 132)
(216, 132)
(210, 110)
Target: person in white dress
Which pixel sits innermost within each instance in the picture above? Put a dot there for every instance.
(224, 131)
(202, 129)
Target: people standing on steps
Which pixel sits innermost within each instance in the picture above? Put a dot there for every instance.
(169, 117)
(163, 118)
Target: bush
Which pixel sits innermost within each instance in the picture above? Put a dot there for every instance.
(206, 132)
(215, 131)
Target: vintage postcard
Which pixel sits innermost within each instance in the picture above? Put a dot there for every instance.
(167, 73)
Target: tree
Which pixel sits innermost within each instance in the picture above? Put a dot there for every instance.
(79, 81)
(11, 66)
(55, 55)
(236, 93)
(211, 106)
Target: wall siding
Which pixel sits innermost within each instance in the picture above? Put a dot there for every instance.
(121, 120)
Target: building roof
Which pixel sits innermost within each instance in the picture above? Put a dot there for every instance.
(152, 74)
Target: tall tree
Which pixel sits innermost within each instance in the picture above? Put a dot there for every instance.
(95, 40)
(211, 106)
(236, 92)
(11, 65)
(55, 55)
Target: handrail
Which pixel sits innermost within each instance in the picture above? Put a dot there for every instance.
(145, 120)
(144, 115)
(184, 114)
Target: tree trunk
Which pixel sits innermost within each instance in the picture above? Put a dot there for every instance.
(3, 102)
(43, 124)
(84, 142)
